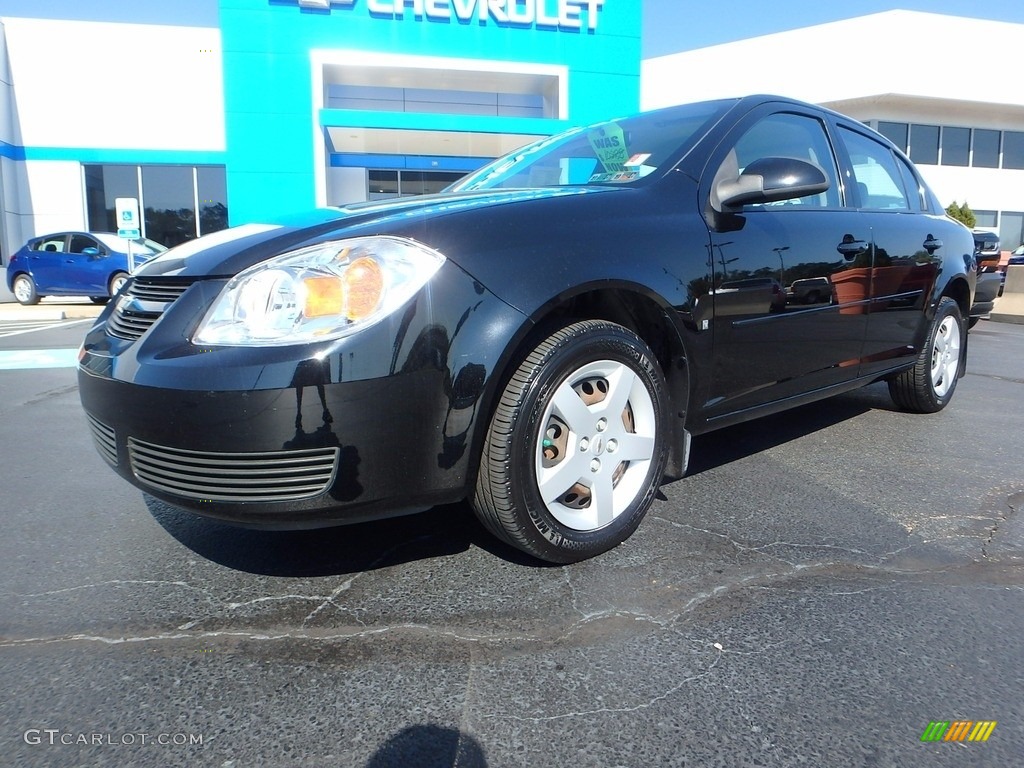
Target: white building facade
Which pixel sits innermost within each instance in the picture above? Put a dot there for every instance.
(947, 90)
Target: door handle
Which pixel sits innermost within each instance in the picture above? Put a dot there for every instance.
(850, 248)
(931, 244)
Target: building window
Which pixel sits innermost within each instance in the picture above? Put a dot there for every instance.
(169, 198)
(384, 184)
(178, 202)
(103, 185)
(956, 146)
(1013, 149)
(985, 219)
(894, 132)
(432, 101)
(986, 149)
(924, 144)
(212, 194)
(442, 91)
(1011, 229)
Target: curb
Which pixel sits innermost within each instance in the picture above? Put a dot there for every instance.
(16, 313)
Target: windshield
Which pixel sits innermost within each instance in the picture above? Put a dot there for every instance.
(616, 152)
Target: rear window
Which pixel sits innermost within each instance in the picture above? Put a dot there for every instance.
(51, 244)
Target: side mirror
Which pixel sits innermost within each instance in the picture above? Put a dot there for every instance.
(770, 179)
(91, 252)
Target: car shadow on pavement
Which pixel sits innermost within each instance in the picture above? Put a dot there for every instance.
(439, 532)
(724, 446)
(447, 530)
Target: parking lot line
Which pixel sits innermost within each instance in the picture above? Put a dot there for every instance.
(26, 359)
(28, 326)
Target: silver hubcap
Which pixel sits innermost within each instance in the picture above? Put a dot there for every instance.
(22, 290)
(115, 285)
(945, 356)
(596, 449)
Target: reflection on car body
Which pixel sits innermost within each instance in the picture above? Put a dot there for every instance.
(543, 338)
(810, 290)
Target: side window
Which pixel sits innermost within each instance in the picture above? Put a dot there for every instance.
(875, 173)
(791, 135)
(51, 244)
(80, 242)
(914, 189)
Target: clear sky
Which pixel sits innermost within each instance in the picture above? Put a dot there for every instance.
(669, 25)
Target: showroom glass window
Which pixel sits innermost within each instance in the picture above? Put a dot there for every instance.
(169, 199)
(212, 192)
(178, 202)
(384, 184)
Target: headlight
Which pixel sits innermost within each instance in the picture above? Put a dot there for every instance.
(322, 292)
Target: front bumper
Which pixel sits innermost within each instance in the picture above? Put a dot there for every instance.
(376, 424)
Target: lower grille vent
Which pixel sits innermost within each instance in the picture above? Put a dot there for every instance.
(241, 477)
(105, 441)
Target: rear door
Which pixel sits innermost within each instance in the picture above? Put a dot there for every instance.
(906, 244)
(47, 264)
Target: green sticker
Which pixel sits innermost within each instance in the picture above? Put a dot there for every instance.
(609, 145)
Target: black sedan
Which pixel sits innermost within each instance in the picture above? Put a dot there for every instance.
(544, 337)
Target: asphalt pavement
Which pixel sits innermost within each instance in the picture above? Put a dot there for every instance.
(824, 585)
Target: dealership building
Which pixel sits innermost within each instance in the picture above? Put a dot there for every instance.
(292, 104)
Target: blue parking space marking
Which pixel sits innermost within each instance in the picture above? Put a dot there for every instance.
(27, 359)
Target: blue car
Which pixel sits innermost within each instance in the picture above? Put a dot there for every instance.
(93, 264)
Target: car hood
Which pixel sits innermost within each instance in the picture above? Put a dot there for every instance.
(228, 252)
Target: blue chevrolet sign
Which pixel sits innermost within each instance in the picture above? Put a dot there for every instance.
(564, 15)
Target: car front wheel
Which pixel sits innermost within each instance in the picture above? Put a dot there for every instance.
(575, 450)
(929, 385)
(25, 290)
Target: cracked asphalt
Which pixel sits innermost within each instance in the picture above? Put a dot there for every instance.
(823, 585)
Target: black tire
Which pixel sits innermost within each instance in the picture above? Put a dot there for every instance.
(24, 289)
(575, 452)
(99, 299)
(116, 281)
(929, 385)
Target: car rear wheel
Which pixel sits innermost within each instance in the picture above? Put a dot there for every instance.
(575, 449)
(24, 289)
(116, 281)
(929, 385)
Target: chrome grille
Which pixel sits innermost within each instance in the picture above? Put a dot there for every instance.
(104, 438)
(141, 303)
(242, 477)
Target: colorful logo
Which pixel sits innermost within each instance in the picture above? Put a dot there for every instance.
(958, 730)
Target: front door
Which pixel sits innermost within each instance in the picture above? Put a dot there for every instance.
(787, 316)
